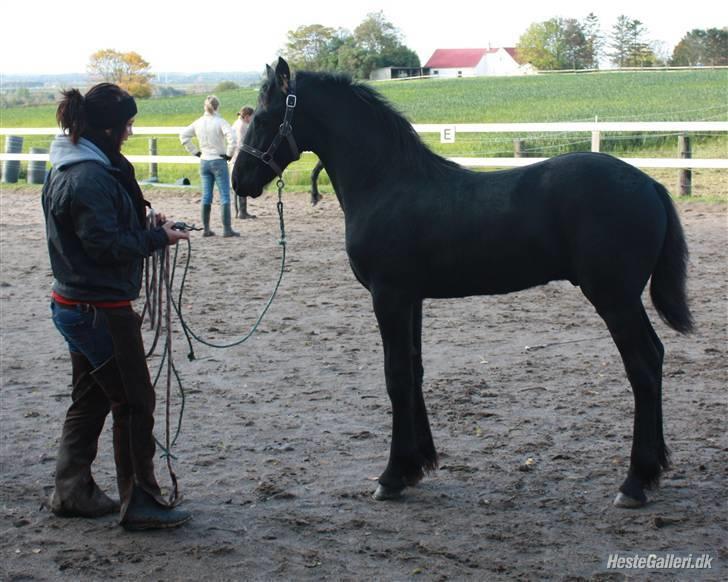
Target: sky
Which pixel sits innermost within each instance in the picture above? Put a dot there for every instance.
(58, 36)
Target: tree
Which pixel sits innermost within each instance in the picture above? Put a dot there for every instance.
(619, 41)
(376, 42)
(380, 44)
(225, 86)
(594, 40)
(628, 45)
(128, 70)
(307, 45)
(702, 48)
(557, 43)
(376, 34)
(640, 51)
(353, 59)
(537, 44)
(575, 49)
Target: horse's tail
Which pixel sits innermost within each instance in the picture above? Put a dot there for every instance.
(667, 288)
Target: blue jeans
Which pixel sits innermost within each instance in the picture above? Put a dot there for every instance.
(212, 172)
(85, 331)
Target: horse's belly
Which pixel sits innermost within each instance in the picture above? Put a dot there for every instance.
(486, 275)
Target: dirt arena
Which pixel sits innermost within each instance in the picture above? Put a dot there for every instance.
(283, 437)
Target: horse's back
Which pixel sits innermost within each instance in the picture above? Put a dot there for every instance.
(468, 233)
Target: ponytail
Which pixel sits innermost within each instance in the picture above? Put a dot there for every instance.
(212, 104)
(71, 114)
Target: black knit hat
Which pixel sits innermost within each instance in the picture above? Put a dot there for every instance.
(108, 106)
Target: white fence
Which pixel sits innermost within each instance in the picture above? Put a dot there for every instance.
(448, 132)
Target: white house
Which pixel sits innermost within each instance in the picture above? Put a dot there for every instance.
(476, 62)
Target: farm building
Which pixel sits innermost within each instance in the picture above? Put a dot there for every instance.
(477, 62)
(385, 73)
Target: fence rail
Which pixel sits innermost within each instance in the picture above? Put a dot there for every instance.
(595, 128)
(676, 163)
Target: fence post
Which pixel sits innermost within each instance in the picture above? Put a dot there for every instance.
(685, 176)
(153, 167)
(596, 141)
(518, 148)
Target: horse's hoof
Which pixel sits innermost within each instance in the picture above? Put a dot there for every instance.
(386, 493)
(627, 502)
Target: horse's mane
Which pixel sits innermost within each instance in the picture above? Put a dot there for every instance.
(404, 144)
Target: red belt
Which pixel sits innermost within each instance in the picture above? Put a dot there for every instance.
(62, 301)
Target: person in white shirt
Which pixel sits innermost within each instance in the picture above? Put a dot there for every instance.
(216, 146)
(240, 127)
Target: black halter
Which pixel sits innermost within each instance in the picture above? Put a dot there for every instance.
(284, 131)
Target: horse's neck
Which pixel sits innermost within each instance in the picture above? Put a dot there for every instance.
(339, 141)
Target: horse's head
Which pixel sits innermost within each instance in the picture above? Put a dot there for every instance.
(269, 145)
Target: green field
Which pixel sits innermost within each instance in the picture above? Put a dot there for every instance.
(697, 95)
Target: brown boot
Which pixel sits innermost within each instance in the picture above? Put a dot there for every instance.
(134, 444)
(76, 493)
(125, 380)
(143, 506)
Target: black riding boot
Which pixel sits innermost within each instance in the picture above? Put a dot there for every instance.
(206, 210)
(226, 221)
(243, 208)
(76, 493)
(143, 512)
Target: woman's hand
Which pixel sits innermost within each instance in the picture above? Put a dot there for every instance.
(173, 236)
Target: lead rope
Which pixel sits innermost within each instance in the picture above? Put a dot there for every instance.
(177, 305)
(159, 281)
(158, 278)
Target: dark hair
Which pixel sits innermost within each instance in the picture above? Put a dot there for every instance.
(105, 106)
(71, 115)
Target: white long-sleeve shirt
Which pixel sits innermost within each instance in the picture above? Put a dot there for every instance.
(240, 128)
(214, 136)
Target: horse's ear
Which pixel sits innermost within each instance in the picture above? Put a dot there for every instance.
(283, 74)
(269, 73)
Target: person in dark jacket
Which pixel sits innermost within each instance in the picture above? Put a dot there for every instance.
(95, 217)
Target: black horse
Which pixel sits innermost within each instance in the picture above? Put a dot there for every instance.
(419, 226)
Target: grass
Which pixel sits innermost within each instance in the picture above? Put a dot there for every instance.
(631, 96)
(697, 95)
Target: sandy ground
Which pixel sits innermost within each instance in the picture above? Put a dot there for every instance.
(283, 436)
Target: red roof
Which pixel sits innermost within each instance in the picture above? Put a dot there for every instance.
(514, 53)
(454, 58)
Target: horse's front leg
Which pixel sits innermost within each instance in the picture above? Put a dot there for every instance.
(423, 433)
(405, 467)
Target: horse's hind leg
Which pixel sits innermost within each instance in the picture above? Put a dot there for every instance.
(642, 354)
(395, 317)
(423, 434)
(663, 451)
